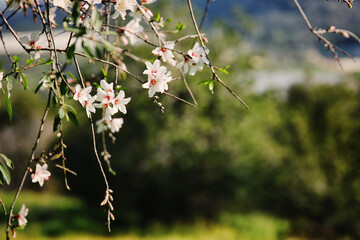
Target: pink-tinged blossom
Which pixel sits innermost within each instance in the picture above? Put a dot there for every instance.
(154, 69)
(120, 101)
(122, 6)
(82, 94)
(165, 53)
(105, 96)
(21, 217)
(196, 62)
(89, 106)
(41, 174)
(147, 1)
(146, 13)
(132, 29)
(158, 77)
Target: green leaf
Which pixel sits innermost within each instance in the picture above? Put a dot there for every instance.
(108, 46)
(61, 113)
(96, 21)
(8, 162)
(169, 20)
(25, 81)
(5, 174)
(16, 59)
(8, 106)
(75, 11)
(204, 82)
(158, 17)
(211, 87)
(38, 87)
(70, 52)
(73, 118)
(225, 70)
(47, 62)
(180, 26)
(54, 101)
(87, 49)
(57, 121)
(63, 87)
(29, 61)
(104, 73)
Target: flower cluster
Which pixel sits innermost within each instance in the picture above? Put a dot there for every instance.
(198, 57)
(158, 78)
(106, 100)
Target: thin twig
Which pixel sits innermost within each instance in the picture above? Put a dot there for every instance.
(215, 76)
(180, 99)
(187, 87)
(31, 159)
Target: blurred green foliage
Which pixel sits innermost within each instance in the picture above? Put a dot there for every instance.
(293, 158)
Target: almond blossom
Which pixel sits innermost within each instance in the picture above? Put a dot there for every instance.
(82, 94)
(132, 29)
(165, 53)
(34, 37)
(122, 6)
(196, 62)
(64, 4)
(89, 106)
(21, 217)
(41, 174)
(120, 101)
(114, 125)
(158, 77)
(147, 1)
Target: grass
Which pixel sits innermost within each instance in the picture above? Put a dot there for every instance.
(63, 218)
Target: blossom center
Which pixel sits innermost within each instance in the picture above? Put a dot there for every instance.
(32, 43)
(153, 82)
(163, 49)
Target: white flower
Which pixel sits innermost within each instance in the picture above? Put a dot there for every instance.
(52, 15)
(34, 37)
(165, 53)
(93, 2)
(115, 124)
(147, 1)
(157, 78)
(81, 94)
(132, 29)
(89, 106)
(41, 174)
(122, 6)
(22, 216)
(197, 61)
(105, 95)
(120, 101)
(146, 13)
(154, 69)
(101, 125)
(65, 4)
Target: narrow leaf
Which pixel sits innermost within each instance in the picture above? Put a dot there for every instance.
(25, 81)
(8, 106)
(5, 173)
(8, 162)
